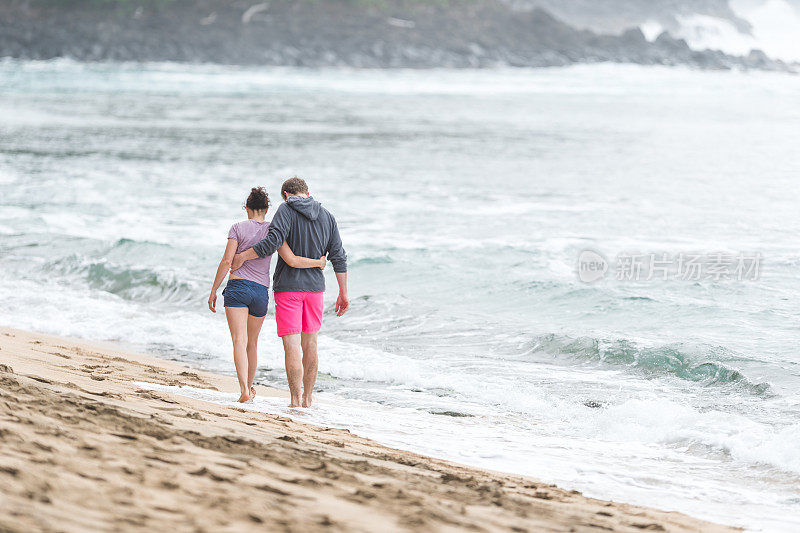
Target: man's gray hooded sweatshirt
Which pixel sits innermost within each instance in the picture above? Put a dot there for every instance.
(310, 231)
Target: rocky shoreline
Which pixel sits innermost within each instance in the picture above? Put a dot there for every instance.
(353, 33)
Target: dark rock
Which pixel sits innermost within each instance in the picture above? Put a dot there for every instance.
(757, 59)
(666, 42)
(634, 38)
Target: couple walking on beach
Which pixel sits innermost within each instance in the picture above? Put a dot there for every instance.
(300, 231)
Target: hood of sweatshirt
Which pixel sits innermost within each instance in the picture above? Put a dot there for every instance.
(308, 207)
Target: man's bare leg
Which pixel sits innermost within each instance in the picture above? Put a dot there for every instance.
(253, 329)
(294, 366)
(310, 363)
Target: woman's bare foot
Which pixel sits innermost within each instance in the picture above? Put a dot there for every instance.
(252, 392)
(244, 398)
(307, 399)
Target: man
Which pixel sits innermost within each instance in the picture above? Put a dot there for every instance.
(310, 231)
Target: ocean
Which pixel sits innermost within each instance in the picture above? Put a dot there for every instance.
(465, 199)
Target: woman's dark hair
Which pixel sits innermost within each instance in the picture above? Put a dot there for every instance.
(258, 199)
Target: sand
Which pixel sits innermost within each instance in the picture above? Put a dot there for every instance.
(86, 449)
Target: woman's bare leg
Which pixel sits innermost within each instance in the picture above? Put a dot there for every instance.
(253, 329)
(237, 322)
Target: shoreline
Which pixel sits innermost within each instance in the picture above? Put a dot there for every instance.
(81, 434)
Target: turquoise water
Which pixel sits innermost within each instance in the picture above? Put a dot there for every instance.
(464, 199)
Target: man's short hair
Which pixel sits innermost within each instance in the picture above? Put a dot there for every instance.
(294, 185)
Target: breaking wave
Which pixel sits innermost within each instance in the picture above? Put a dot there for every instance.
(701, 365)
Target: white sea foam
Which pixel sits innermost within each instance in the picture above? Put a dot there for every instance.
(660, 421)
(775, 29)
(651, 29)
(776, 26)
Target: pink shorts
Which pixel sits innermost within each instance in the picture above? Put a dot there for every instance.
(298, 311)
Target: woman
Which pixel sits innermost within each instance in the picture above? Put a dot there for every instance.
(247, 292)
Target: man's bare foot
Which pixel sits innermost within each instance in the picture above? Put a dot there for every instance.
(307, 399)
(294, 401)
(244, 398)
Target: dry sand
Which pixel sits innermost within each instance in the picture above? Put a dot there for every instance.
(85, 449)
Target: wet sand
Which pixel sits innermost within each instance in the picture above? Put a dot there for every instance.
(86, 449)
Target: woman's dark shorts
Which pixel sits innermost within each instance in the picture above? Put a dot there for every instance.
(245, 293)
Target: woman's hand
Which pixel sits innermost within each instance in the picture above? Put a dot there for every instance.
(212, 302)
(322, 262)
